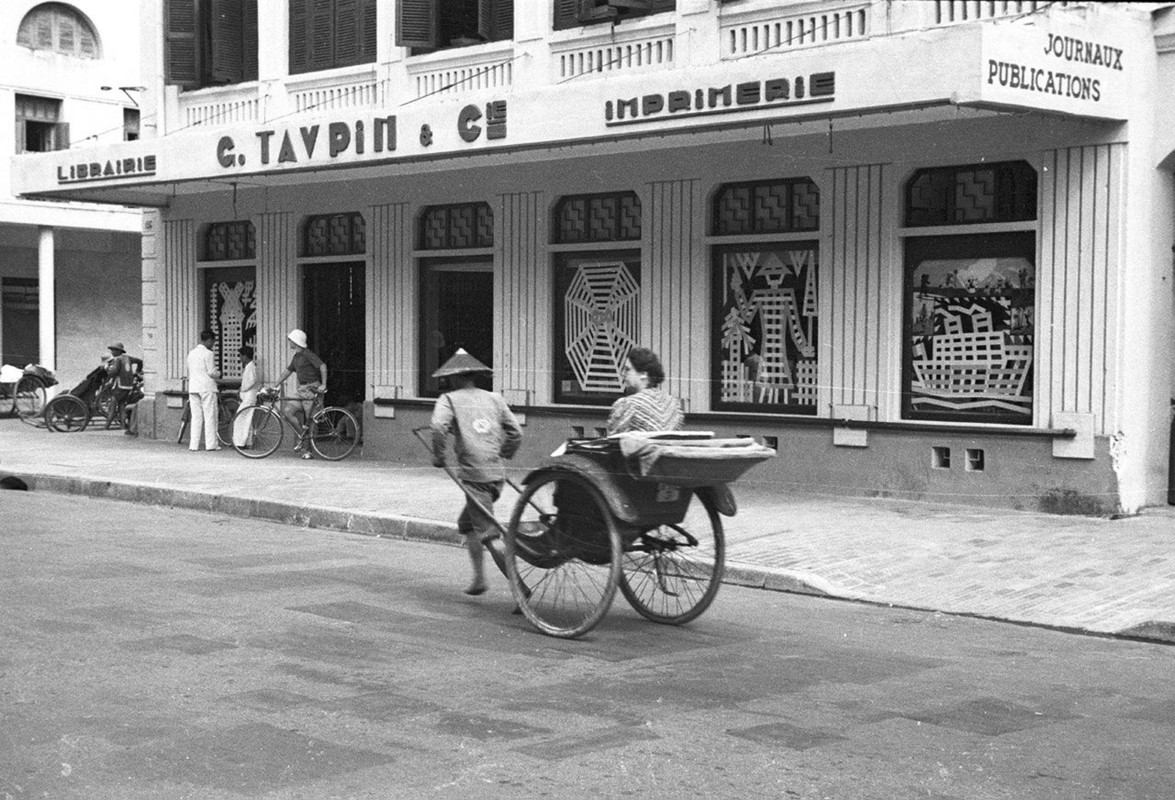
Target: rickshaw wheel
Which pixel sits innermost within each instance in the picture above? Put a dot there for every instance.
(29, 399)
(67, 414)
(563, 553)
(671, 573)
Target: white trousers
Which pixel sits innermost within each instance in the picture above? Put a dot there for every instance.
(204, 420)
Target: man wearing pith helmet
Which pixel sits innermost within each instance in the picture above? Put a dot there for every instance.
(311, 374)
(484, 432)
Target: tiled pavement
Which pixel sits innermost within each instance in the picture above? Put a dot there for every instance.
(1079, 573)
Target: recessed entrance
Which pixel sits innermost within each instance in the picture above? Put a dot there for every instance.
(457, 310)
(334, 318)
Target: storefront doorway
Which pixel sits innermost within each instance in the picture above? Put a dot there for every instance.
(335, 322)
(457, 309)
(19, 321)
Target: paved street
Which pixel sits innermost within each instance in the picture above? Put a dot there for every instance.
(162, 653)
(1079, 573)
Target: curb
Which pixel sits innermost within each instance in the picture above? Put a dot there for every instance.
(396, 526)
(387, 526)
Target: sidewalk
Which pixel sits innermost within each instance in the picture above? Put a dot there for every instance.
(1079, 573)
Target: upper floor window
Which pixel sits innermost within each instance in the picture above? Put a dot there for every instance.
(130, 124)
(426, 25)
(573, 13)
(60, 28)
(39, 128)
(325, 34)
(210, 42)
(1003, 192)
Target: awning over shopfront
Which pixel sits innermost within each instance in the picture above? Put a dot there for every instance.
(1066, 66)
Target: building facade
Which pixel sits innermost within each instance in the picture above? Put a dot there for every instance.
(69, 271)
(922, 248)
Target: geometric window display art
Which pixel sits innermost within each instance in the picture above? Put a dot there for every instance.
(231, 303)
(767, 312)
(600, 315)
(970, 343)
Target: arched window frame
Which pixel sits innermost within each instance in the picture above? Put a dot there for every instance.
(60, 28)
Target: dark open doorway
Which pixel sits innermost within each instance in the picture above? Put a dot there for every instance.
(335, 322)
(457, 312)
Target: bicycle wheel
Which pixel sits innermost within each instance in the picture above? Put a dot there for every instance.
(671, 573)
(334, 433)
(265, 431)
(29, 402)
(226, 413)
(67, 414)
(563, 554)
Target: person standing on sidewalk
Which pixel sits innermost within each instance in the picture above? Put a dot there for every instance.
(311, 373)
(250, 386)
(202, 391)
(645, 405)
(485, 432)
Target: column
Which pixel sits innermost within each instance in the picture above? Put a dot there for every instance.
(46, 300)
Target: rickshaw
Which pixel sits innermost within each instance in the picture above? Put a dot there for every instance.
(71, 411)
(23, 391)
(620, 512)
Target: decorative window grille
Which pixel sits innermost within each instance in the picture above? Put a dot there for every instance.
(780, 206)
(230, 303)
(457, 227)
(335, 235)
(229, 241)
(614, 217)
(973, 194)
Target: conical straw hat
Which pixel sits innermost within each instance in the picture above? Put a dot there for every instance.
(460, 363)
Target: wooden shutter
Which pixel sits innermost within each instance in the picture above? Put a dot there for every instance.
(322, 34)
(346, 37)
(181, 55)
(368, 41)
(566, 14)
(496, 19)
(249, 41)
(416, 23)
(299, 36)
(227, 39)
(61, 136)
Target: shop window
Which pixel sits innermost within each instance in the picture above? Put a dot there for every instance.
(59, 28)
(597, 317)
(969, 327)
(39, 128)
(427, 25)
(229, 241)
(780, 206)
(334, 235)
(456, 311)
(969, 195)
(456, 227)
(614, 217)
(210, 42)
(765, 327)
(325, 34)
(573, 13)
(230, 311)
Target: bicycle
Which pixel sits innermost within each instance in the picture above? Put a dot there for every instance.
(227, 404)
(332, 433)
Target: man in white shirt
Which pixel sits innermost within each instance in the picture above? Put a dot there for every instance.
(202, 391)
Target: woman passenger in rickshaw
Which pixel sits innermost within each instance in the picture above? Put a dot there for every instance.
(645, 405)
